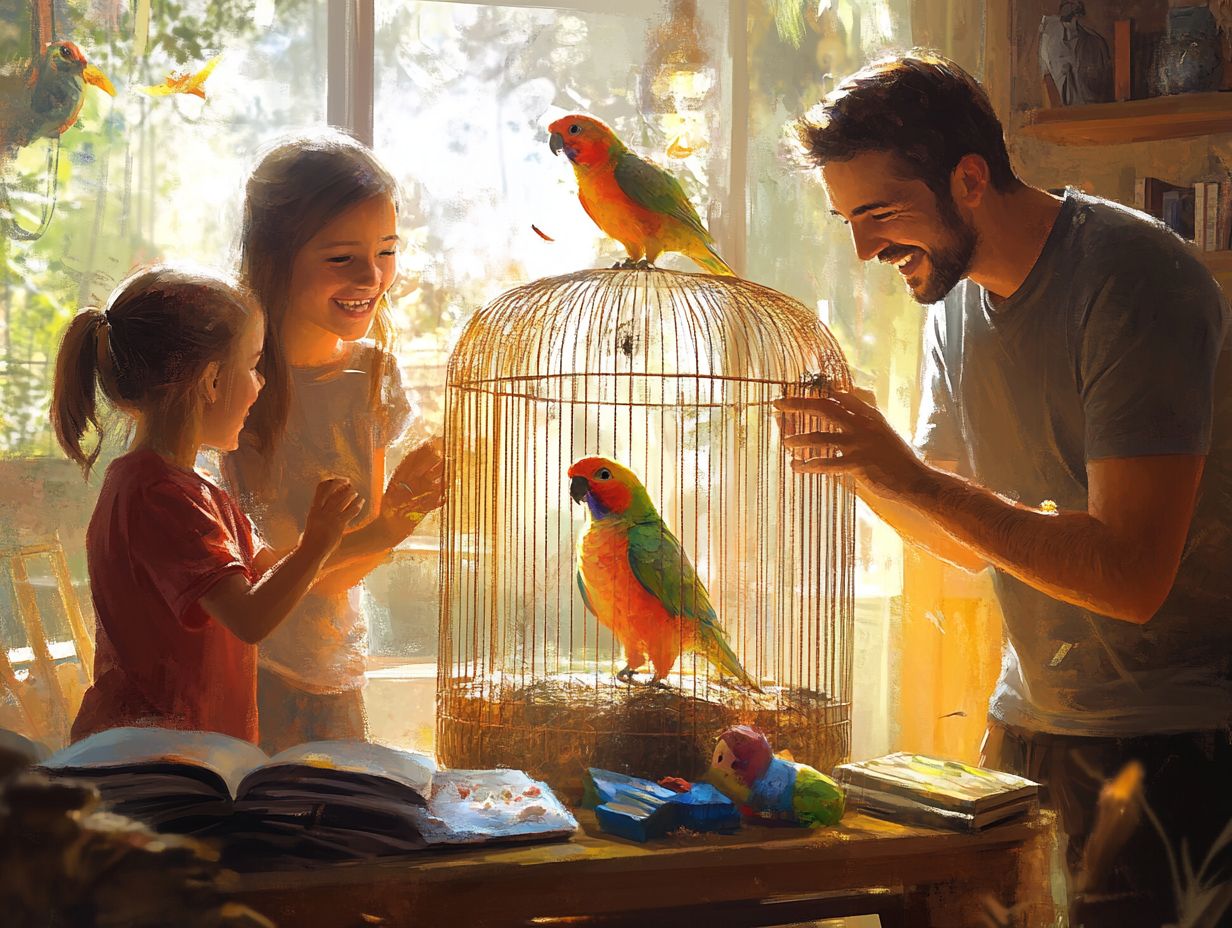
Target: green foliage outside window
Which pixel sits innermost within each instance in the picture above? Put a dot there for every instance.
(112, 185)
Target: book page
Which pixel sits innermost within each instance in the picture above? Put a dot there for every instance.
(478, 806)
(230, 758)
(409, 768)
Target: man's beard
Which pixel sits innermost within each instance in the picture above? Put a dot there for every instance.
(950, 261)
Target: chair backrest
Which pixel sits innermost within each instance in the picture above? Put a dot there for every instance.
(46, 678)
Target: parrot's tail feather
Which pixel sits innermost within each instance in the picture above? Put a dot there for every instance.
(708, 259)
(719, 653)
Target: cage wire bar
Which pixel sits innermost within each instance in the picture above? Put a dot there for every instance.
(672, 375)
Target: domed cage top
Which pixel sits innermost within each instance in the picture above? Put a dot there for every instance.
(671, 375)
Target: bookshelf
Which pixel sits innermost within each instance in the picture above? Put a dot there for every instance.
(1175, 117)
(1105, 148)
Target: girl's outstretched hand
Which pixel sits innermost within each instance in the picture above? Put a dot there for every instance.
(333, 508)
(417, 486)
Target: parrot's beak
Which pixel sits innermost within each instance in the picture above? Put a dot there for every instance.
(579, 488)
(556, 143)
(92, 75)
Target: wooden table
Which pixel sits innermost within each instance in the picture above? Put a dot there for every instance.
(758, 877)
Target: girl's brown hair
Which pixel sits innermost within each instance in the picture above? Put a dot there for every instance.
(297, 187)
(146, 350)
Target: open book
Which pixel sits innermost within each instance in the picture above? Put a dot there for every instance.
(322, 800)
(929, 791)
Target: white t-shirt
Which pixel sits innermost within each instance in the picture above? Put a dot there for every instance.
(332, 430)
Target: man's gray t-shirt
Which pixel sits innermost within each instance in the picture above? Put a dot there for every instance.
(1114, 346)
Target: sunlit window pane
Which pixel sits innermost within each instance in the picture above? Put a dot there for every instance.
(464, 93)
(139, 177)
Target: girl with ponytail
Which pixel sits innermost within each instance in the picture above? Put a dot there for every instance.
(182, 588)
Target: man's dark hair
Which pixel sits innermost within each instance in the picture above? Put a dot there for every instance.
(923, 108)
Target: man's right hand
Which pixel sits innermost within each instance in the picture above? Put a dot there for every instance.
(334, 507)
(790, 424)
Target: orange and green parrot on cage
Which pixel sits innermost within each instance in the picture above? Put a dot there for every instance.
(637, 580)
(637, 203)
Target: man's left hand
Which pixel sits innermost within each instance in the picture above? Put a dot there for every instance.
(859, 442)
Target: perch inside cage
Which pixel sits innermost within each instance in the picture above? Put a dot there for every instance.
(661, 381)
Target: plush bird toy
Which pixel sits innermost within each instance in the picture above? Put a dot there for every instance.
(49, 100)
(635, 202)
(636, 579)
(769, 788)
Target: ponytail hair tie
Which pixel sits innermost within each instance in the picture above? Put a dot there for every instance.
(102, 338)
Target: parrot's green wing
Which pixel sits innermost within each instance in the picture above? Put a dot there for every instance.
(664, 570)
(649, 186)
(662, 567)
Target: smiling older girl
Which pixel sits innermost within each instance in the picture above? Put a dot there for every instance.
(319, 251)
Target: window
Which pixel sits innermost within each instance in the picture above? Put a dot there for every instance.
(138, 178)
(463, 95)
(460, 94)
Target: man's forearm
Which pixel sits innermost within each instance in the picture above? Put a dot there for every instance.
(1071, 556)
(920, 529)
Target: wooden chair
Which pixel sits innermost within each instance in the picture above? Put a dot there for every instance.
(48, 696)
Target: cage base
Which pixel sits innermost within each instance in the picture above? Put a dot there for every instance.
(556, 728)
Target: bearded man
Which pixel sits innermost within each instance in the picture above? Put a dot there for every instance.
(1075, 436)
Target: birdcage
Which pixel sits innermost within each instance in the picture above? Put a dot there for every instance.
(671, 375)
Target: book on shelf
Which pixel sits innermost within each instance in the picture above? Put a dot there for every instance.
(1208, 221)
(1199, 237)
(1210, 218)
(908, 811)
(1200, 212)
(918, 789)
(321, 800)
(1178, 212)
(1149, 194)
(1223, 217)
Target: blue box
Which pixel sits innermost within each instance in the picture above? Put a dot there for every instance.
(640, 810)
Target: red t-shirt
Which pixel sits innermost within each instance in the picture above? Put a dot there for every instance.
(159, 539)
